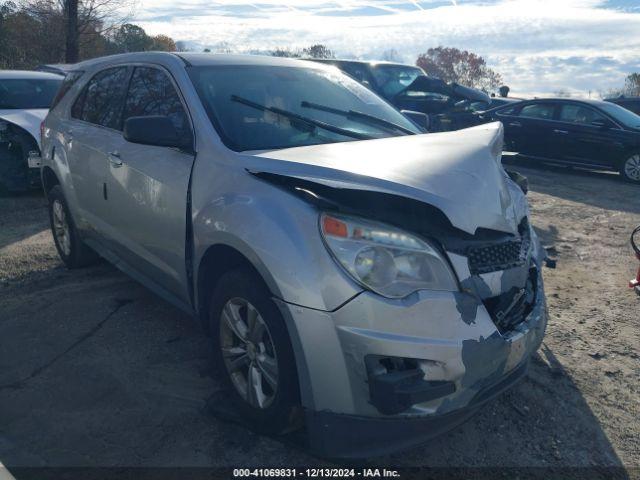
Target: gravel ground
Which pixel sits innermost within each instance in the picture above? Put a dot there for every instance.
(97, 371)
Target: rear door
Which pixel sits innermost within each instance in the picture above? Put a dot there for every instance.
(531, 131)
(587, 136)
(91, 132)
(148, 186)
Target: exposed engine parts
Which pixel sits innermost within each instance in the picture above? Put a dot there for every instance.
(17, 146)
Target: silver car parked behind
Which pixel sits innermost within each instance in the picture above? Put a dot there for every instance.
(376, 283)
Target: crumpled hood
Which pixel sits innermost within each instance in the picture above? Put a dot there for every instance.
(30, 120)
(458, 172)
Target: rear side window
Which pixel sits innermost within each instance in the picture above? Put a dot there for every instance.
(580, 115)
(151, 92)
(542, 111)
(69, 81)
(100, 102)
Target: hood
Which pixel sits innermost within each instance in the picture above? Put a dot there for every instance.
(29, 120)
(458, 172)
(457, 92)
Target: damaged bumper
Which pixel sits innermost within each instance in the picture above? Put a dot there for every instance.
(386, 374)
(19, 159)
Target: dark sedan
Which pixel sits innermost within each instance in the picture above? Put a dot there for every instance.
(630, 103)
(588, 133)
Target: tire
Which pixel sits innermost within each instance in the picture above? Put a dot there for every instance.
(238, 293)
(630, 168)
(72, 250)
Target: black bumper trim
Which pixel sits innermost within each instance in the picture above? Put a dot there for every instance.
(334, 435)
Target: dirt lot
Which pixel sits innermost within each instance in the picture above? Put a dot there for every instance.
(95, 370)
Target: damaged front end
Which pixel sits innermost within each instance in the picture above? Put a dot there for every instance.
(19, 159)
(389, 372)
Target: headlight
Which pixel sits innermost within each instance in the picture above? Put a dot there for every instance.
(384, 259)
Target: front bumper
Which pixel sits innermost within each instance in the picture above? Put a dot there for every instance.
(334, 435)
(449, 337)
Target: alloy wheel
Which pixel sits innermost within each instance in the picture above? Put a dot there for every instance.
(61, 227)
(632, 167)
(249, 353)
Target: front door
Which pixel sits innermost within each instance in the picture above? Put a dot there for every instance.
(148, 187)
(589, 136)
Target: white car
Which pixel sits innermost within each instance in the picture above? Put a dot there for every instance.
(25, 98)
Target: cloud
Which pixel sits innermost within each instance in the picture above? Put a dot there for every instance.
(539, 46)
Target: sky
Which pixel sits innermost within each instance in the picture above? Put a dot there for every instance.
(540, 47)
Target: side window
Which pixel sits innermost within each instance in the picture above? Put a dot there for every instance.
(542, 111)
(78, 105)
(579, 114)
(100, 102)
(152, 93)
(506, 111)
(69, 81)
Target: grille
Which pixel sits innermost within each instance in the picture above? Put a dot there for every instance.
(500, 256)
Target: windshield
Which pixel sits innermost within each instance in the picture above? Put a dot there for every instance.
(392, 79)
(266, 107)
(621, 115)
(19, 93)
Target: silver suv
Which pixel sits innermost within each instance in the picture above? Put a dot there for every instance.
(371, 282)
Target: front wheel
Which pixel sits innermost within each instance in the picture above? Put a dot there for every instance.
(630, 168)
(253, 352)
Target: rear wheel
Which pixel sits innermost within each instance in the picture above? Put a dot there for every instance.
(253, 352)
(73, 252)
(630, 168)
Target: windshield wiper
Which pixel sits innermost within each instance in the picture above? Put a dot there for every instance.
(309, 123)
(355, 115)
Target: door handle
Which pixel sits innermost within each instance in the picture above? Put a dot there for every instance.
(515, 124)
(114, 159)
(563, 132)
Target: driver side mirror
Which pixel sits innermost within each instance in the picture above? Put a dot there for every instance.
(420, 119)
(154, 130)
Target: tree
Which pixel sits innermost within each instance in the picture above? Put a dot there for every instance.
(631, 88)
(84, 20)
(284, 52)
(27, 39)
(163, 43)
(132, 38)
(37, 33)
(632, 85)
(72, 50)
(318, 51)
(460, 66)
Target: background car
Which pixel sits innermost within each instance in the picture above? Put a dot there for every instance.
(589, 133)
(630, 103)
(25, 98)
(58, 68)
(408, 88)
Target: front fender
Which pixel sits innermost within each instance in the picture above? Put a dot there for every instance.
(277, 232)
